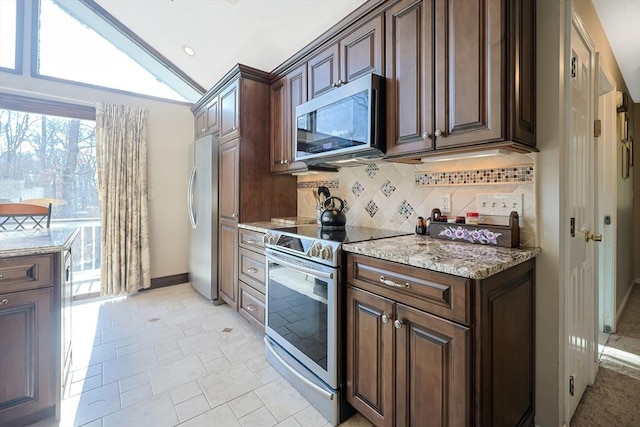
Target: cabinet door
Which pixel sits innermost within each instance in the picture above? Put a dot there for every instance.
(362, 51)
(296, 95)
(370, 356)
(212, 116)
(522, 71)
(323, 72)
(433, 376)
(229, 176)
(278, 131)
(409, 71)
(229, 112)
(286, 94)
(27, 360)
(201, 122)
(470, 72)
(228, 262)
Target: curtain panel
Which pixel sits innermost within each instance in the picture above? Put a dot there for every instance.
(121, 154)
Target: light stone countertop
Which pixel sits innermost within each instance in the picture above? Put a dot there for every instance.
(461, 259)
(35, 241)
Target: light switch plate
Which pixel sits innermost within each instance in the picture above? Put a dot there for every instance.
(499, 204)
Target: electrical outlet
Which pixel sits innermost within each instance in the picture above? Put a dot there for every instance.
(499, 204)
(445, 203)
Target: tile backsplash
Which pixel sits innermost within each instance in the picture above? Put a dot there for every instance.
(393, 195)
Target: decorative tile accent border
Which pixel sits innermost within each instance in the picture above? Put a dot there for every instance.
(357, 189)
(371, 208)
(508, 175)
(331, 183)
(388, 188)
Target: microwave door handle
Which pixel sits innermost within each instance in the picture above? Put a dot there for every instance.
(309, 271)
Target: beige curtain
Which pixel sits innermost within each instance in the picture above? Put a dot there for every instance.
(121, 154)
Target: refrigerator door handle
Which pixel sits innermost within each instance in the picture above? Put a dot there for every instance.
(192, 178)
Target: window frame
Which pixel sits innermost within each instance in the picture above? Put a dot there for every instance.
(123, 30)
(19, 47)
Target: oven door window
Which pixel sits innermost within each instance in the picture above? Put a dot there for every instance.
(299, 312)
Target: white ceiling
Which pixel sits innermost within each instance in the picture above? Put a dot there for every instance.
(621, 22)
(264, 33)
(259, 33)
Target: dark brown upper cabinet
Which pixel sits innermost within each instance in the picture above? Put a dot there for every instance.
(362, 51)
(286, 94)
(207, 118)
(460, 75)
(410, 63)
(229, 113)
(359, 52)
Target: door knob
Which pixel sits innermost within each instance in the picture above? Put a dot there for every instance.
(385, 318)
(398, 324)
(437, 133)
(588, 235)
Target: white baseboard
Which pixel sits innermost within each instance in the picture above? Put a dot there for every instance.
(624, 302)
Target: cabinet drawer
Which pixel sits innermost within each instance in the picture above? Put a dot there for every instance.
(251, 239)
(251, 305)
(27, 272)
(437, 293)
(252, 269)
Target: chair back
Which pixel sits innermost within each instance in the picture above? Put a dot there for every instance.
(23, 216)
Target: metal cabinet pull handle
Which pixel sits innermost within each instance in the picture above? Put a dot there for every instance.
(252, 270)
(4, 301)
(234, 215)
(233, 127)
(251, 242)
(398, 324)
(385, 318)
(394, 284)
(1, 277)
(438, 133)
(250, 307)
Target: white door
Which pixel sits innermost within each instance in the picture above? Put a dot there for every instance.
(580, 208)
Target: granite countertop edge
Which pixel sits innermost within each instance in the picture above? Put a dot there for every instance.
(36, 242)
(460, 259)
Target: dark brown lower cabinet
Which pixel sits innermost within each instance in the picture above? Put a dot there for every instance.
(407, 366)
(27, 356)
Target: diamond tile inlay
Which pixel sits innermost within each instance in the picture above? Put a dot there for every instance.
(357, 189)
(372, 208)
(372, 170)
(388, 188)
(405, 209)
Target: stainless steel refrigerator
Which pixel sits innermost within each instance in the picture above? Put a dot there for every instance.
(202, 206)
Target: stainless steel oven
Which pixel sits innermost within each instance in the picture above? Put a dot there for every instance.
(304, 318)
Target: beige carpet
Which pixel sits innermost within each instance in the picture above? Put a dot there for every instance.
(614, 398)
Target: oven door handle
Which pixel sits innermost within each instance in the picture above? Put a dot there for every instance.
(298, 375)
(309, 271)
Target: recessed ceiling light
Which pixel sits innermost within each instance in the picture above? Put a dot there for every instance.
(188, 50)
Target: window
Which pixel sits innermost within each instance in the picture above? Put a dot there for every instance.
(80, 54)
(47, 158)
(10, 17)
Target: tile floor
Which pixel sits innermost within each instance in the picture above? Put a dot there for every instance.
(167, 357)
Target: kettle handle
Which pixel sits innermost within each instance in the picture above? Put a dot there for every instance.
(334, 198)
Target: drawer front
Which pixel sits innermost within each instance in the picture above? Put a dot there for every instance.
(251, 305)
(251, 239)
(252, 269)
(437, 293)
(26, 272)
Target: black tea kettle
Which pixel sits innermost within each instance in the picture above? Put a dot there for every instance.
(332, 216)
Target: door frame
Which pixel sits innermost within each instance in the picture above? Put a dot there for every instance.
(607, 200)
(573, 19)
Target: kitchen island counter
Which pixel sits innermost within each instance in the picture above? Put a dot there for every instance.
(467, 260)
(36, 241)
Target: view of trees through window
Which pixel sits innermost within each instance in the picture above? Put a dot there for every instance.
(47, 158)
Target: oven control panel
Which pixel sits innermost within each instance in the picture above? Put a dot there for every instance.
(320, 250)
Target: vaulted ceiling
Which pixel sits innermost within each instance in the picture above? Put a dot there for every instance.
(264, 33)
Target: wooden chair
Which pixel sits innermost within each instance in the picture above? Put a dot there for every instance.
(22, 216)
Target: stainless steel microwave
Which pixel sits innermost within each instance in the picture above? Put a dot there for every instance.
(343, 124)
